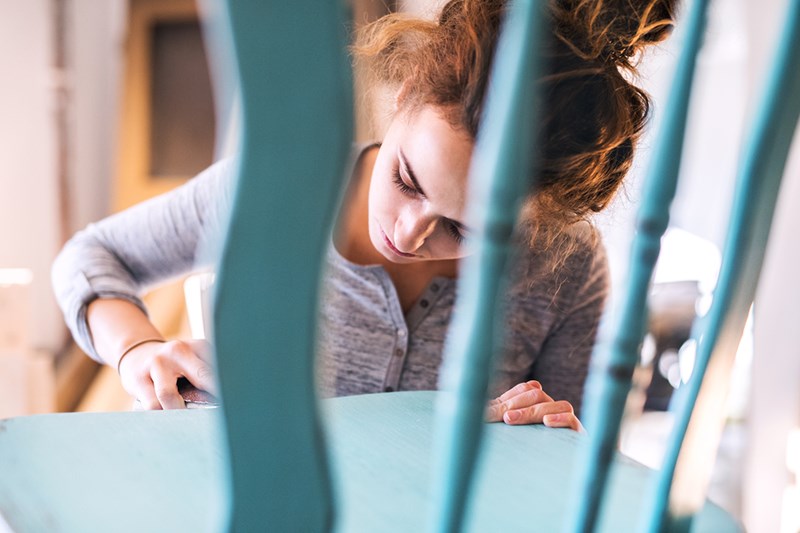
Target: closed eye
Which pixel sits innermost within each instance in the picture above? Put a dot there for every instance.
(402, 185)
(453, 231)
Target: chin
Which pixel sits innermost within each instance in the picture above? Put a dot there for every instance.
(402, 260)
(388, 254)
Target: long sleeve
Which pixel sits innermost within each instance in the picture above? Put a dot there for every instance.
(563, 363)
(124, 254)
(552, 320)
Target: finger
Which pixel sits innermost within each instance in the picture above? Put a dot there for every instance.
(526, 399)
(165, 380)
(530, 396)
(563, 420)
(199, 374)
(192, 367)
(202, 348)
(493, 413)
(519, 389)
(534, 414)
(495, 408)
(146, 397)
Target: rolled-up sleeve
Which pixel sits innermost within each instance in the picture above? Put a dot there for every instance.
(127, 253)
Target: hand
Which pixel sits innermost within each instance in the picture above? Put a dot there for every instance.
(527, 403)
(150, 372)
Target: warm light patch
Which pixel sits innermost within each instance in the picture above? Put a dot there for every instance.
(15, 276)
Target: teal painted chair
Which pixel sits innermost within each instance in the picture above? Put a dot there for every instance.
(273, 458)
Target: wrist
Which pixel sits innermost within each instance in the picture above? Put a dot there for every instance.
(133, 345)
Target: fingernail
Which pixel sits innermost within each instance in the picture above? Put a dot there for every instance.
(512, 416)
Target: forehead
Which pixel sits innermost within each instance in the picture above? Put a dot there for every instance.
(438, 153)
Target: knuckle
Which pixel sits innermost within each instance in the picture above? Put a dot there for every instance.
(565, 406)
(533, 414)
(160, 363)
(180, 348)
(533, 410)
(534, 395)
(138, 381)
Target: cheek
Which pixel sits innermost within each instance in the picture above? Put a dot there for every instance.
(382, 199)
(444, 247)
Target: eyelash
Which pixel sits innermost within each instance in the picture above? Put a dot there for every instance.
(451, 228)
(405, 189)
(454, 233)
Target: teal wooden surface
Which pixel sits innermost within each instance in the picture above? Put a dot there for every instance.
(615, 358)
(700, 405)
(162, 471)
(498, 181)
(122, 472)
(296, 94)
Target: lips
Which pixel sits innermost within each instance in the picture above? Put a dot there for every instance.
(392, 248)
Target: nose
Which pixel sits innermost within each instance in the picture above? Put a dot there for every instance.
(411, 230)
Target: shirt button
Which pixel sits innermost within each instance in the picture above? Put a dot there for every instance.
(423, 303)
(435, 287)
(388, 389)
(398, 352)
(401, 333)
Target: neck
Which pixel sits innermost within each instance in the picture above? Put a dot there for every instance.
(351, 236)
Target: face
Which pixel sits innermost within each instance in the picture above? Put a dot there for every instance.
(418, 189)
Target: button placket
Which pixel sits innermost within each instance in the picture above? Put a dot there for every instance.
(396, 362)
(396, 357)
(425, 304)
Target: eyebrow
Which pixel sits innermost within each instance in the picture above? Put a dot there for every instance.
(413, 178)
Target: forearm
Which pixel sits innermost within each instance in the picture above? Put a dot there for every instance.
(116, 324)
(122, 256)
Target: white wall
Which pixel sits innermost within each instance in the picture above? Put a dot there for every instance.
(28, 201)
(96, 42)
(30, 232)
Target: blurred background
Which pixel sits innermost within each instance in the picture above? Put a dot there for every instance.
(104, 104)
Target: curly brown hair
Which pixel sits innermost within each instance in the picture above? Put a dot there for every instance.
(593, 116)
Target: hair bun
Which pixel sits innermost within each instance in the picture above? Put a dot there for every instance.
(613, 30)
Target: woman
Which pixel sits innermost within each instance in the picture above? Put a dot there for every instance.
(394, 254)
